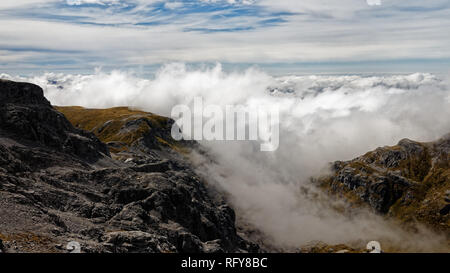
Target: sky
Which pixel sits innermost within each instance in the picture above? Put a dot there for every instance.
(279, 36)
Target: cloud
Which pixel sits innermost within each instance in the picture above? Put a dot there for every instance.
(374, 2)
(135, 33)
(99, 2)
(231, 2)
(14, 3)
(173, 5)
(322, 119)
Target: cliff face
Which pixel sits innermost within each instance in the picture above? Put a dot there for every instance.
(409, 181)
(60, 183)
(26, 116)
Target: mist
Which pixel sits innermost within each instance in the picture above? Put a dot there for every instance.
(322, 119)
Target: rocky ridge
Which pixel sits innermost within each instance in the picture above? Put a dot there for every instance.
(136, 193)
(409, 181)
(115, 181)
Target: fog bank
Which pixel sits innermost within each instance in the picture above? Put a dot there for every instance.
(322, 119)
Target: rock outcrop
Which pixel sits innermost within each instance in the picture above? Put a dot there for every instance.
(409, 181)
(26, 116)
(60, 183)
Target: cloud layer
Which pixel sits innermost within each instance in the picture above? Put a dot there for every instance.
(323, 118)
(82, 34)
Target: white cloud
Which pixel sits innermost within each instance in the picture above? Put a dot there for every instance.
(173, 5)
(374, 2)
(100, 2)
(4, 4)
(326, 118)
(244, 2)
(318, 31)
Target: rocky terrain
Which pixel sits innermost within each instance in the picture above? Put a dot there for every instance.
(128, 189)
(114, 180)
(409, 182)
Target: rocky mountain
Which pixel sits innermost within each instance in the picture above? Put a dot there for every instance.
(114, 182)
(409, 181)
(26, 115)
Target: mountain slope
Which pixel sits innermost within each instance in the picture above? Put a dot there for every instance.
(59, 183)
(124, 129)
(409, 181)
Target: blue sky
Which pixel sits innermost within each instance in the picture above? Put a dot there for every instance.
(283, 36)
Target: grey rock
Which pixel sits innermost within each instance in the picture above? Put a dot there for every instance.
(392, 179)
(59, 183)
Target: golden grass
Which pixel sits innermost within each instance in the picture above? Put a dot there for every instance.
(30, 242)
(107, 125)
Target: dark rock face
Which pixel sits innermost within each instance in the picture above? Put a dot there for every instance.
(380, 191)
(21, 93)
(59, 184)
(408, 181)
(26, 115)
